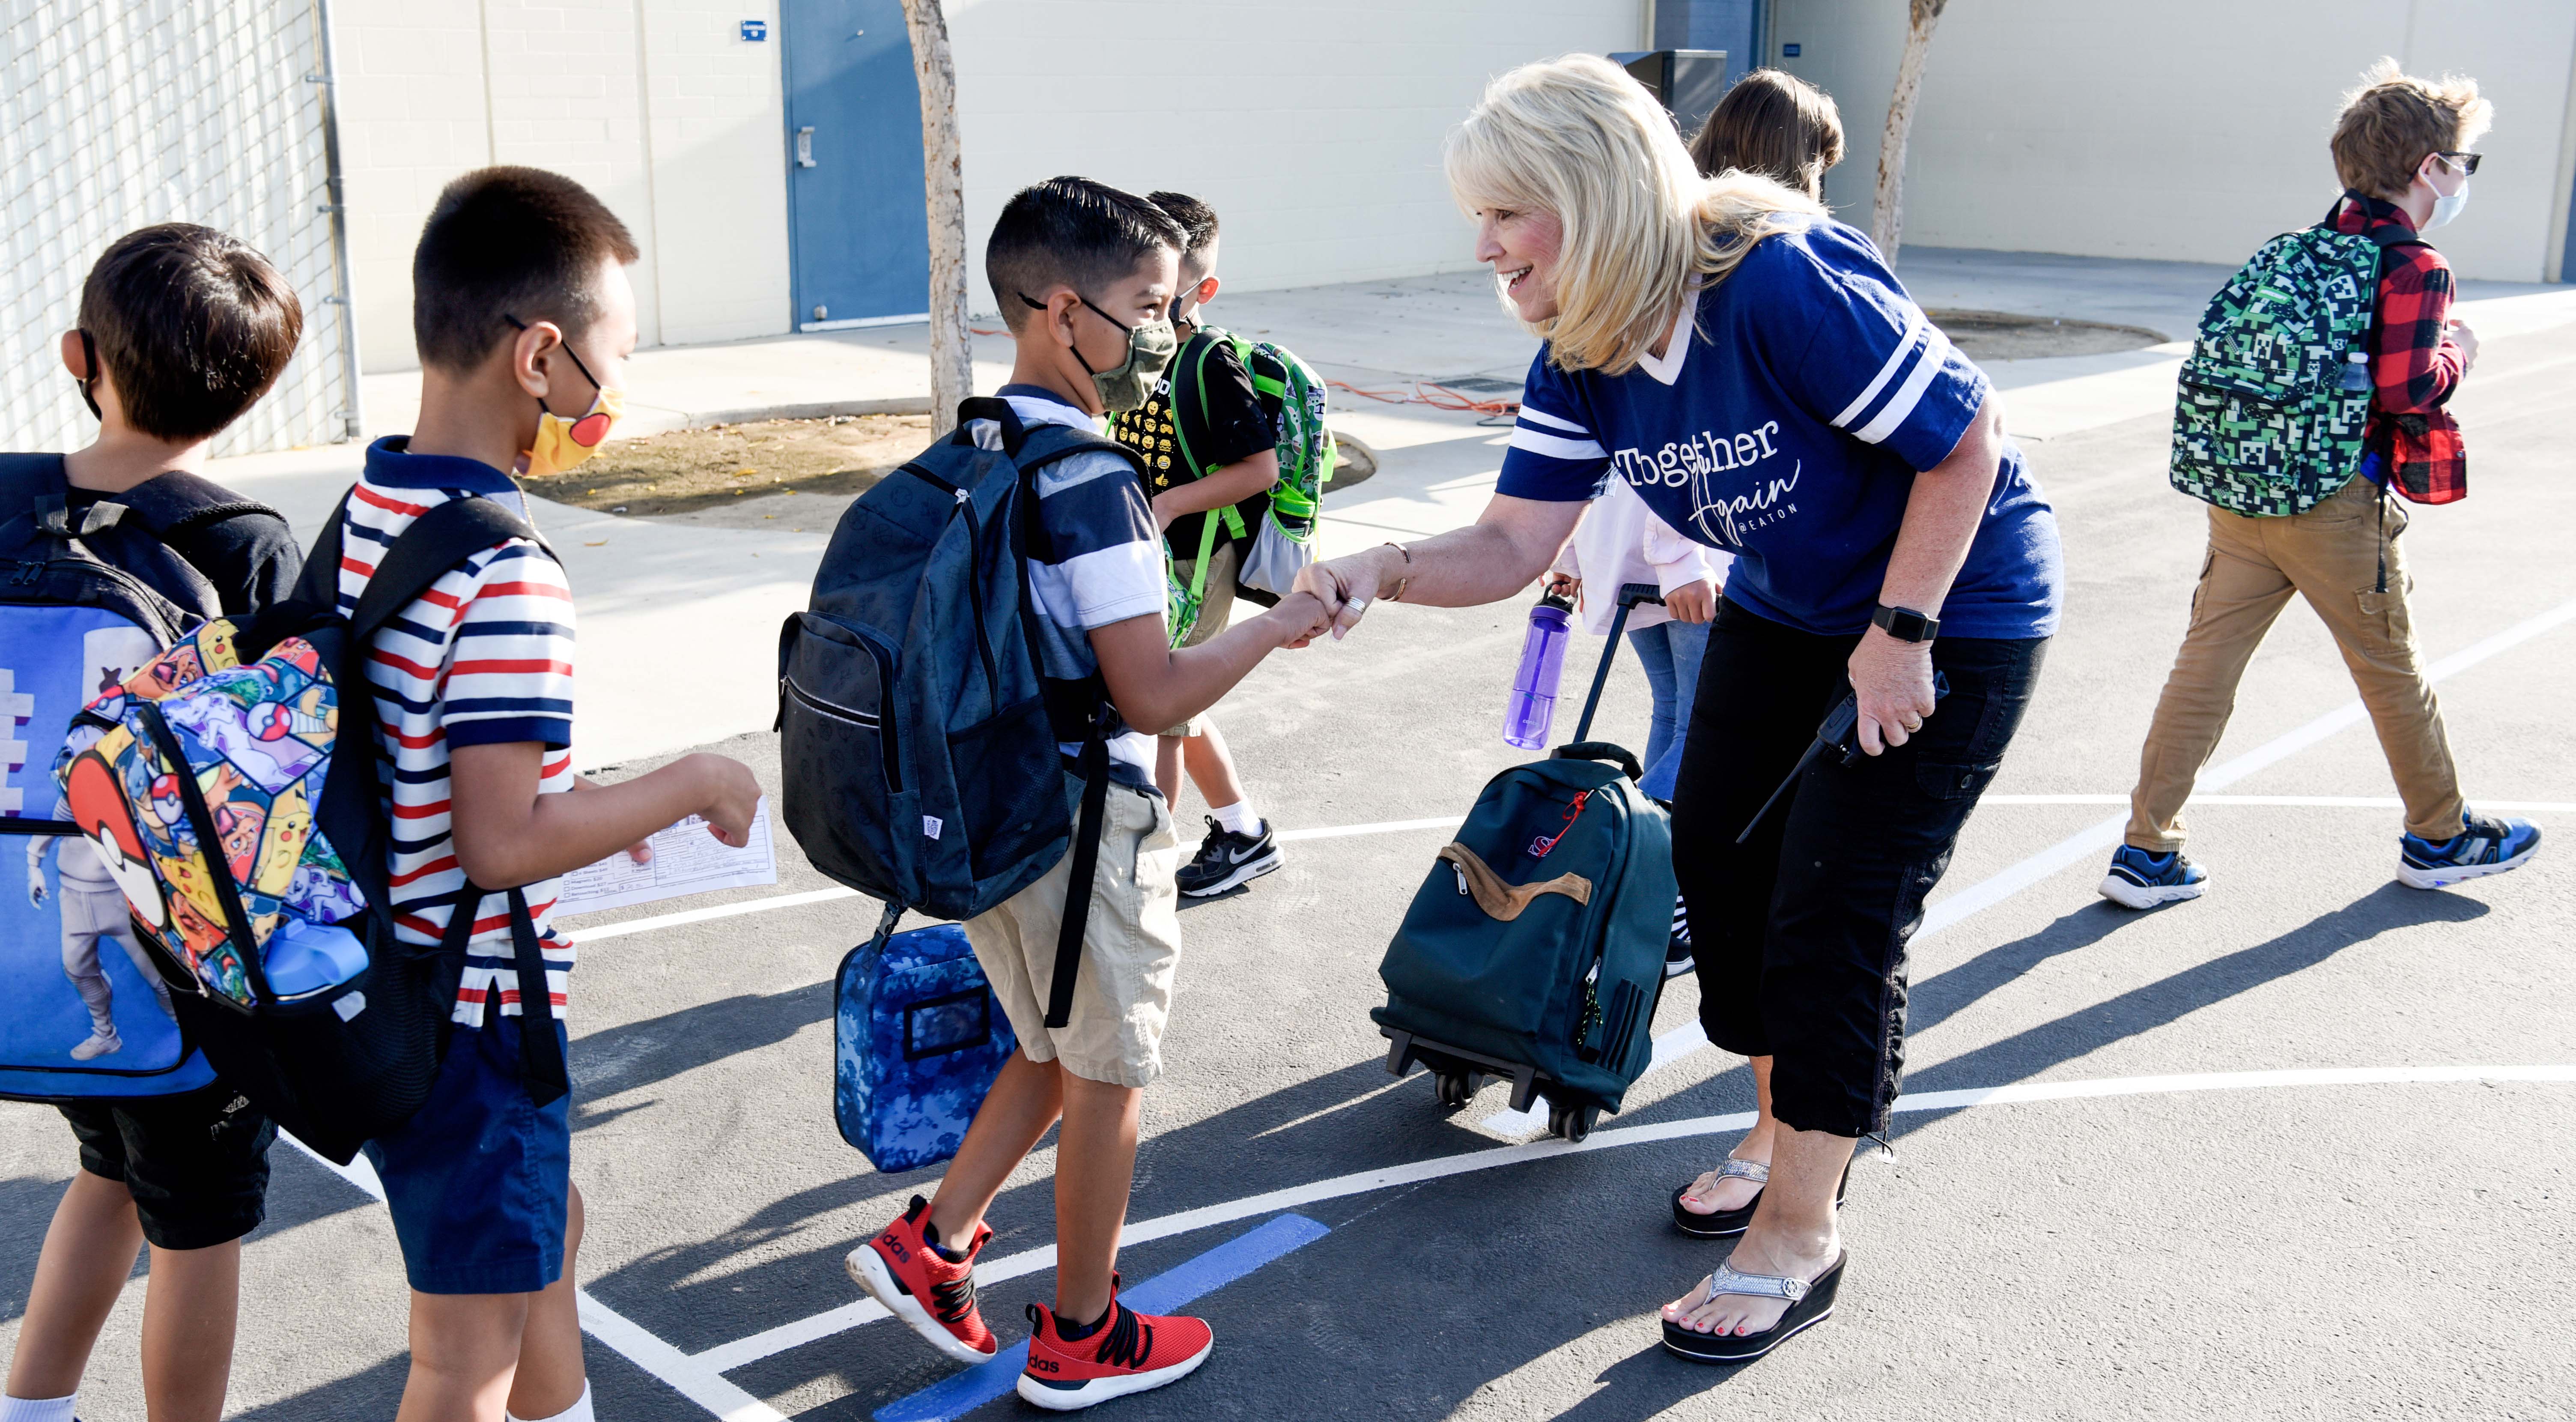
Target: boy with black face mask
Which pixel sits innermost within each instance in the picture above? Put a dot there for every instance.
(1084, 274)
(1210, 447)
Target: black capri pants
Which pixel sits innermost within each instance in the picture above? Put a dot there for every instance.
(1800, 932)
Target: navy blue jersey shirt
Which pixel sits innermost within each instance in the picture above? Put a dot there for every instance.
(1787, 428)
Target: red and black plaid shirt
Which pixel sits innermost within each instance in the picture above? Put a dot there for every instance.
(2414, 367)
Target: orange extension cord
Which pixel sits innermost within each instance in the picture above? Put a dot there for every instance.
(1438, 397)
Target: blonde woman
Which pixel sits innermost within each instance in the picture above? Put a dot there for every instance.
(1757, 375)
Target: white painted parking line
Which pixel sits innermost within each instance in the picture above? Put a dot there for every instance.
(713, 911)
(693, 1380)
(2305, 802)
(1416, 1172)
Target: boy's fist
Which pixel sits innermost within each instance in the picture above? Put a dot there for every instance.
(1302, 618)
(732, 798)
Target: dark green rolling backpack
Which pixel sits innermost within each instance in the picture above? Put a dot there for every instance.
(1534, 950)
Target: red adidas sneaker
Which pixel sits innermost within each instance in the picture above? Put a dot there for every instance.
(1132, 1352)
(919, 1286)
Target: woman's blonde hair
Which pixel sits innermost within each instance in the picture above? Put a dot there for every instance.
(1578, 138)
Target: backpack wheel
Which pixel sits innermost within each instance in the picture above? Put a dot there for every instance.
(1452, 1090)
(1571, 1123)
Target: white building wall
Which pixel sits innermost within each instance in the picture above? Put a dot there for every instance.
(1314, 129)
(2187, 129)
(658, 106)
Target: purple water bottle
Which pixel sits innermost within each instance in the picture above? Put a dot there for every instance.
(1533, 705)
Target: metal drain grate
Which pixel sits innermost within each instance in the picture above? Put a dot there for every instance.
(1481, 385)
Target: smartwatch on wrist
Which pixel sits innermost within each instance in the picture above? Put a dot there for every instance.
(1905, 624)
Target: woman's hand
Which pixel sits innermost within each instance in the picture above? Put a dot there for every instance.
(1892, 681)
(1163, 515)
(1692, 602)
(1346, 586)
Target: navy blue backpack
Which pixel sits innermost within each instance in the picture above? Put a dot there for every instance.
(918, 731)
(85, 600)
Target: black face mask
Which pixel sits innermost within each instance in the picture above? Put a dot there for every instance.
(89, 357)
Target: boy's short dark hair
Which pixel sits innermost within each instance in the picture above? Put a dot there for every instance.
(1071, 232)
(191, 325)
(508, 241)
(1197, 221)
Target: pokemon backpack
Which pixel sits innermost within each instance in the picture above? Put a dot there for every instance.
(86, 599)
(254, 859)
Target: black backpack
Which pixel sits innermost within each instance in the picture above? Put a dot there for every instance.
(88, 598)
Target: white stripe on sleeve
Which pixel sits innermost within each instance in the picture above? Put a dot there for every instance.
(1914, 325)
(1902, 403)
(1551, 421)
(1555, 446)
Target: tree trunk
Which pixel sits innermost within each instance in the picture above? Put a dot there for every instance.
(943, 175)
(1887, 213)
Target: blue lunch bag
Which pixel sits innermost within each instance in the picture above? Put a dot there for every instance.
(917, 1040)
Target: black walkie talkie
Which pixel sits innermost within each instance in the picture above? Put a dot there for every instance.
(1841, 730)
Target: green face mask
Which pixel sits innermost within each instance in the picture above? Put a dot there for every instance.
(1128, 384)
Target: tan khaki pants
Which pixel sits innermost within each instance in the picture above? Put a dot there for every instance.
(2329, 555)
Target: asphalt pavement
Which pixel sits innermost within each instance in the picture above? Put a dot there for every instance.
(2299, 1149)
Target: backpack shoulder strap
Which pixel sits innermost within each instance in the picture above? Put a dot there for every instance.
(173, 503)
(435, 542)
(29, 485)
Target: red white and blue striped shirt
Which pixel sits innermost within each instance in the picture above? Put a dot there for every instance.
(483, 658)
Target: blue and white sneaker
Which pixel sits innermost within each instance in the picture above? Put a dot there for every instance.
(2140, 880)
(2482, 847)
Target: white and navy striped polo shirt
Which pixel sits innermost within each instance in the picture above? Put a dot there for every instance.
(1785, 424)
(483, 658)
(1104, 562)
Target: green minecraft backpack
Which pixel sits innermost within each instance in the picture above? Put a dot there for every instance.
(2269, 413)
(1285, 542)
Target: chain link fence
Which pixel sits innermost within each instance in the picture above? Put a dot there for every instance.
(116, 114)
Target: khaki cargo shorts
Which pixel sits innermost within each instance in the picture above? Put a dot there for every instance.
(1216, 608)
(1124, 993)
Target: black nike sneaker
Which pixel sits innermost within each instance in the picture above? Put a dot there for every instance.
(1227, 860)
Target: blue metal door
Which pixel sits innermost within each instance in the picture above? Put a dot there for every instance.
(858, 246)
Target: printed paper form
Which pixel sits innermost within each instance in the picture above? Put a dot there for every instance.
(686, 860)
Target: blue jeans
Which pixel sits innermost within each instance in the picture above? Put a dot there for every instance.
(1671, 653)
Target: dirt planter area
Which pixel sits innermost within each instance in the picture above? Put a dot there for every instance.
(690, 471)
(797, 474)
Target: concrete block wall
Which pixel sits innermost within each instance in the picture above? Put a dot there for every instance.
(2187, 130)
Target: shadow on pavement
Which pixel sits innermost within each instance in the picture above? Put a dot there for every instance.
(620, 1059)
(26, 1208)
(1935, 999)
(2168, 1000)
(373, 1393)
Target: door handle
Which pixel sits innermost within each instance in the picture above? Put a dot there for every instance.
(805, 147)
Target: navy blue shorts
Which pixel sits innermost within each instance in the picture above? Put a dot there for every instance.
(479, 1180)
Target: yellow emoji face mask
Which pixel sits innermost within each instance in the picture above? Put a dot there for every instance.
(563, 443)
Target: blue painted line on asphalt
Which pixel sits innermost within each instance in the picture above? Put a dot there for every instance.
(956, 1396)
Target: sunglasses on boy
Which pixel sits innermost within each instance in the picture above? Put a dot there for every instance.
(2463, 163)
